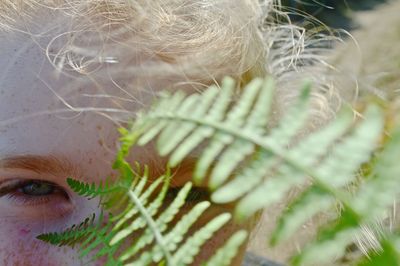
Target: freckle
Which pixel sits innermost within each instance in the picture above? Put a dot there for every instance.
(24, 232)
(99, 127)
(100, 142)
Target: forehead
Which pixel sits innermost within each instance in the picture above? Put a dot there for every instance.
(43, 112)
(38, 120)
(67, 114)
(22, 69)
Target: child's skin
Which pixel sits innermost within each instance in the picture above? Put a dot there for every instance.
(50, 147)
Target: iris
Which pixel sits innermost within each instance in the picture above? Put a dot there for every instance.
(37, 188)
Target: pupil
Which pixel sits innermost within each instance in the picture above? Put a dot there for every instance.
(37, 189)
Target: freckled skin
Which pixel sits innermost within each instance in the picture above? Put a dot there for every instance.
(28, 85)
(23, 232)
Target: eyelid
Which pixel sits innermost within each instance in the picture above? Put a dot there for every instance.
(8, 185)
(9, 189)
(12, 183)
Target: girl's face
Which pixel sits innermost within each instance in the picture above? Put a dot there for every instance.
(40, 147)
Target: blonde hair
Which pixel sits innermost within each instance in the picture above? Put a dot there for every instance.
(190, 43)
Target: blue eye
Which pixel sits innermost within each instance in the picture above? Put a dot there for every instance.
(37, 188)
(31, 191)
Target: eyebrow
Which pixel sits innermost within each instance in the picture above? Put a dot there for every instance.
(61, 166)
(38, 164)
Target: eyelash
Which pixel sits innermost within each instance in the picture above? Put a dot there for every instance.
(12, 190)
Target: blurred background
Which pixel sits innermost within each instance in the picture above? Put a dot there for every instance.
(368, 63)
(334, 13)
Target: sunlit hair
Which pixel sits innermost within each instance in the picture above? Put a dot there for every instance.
(189, 43)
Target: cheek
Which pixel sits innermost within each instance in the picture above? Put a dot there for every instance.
(20, 248)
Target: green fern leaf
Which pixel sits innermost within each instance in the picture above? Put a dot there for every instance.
(174, 237)
(249, 160)
(259, 117)
(96, 239)
(129, 210)
(70, 236)
(292, 122)
(388, 256)
(332, 242)
(229, 160)
(92, 190)
(354, 150)
(270, 191)
(219, 108)
(367, 205)
(210, 154)
(256, 121)
(150, 132)
(185, 254)
(314, 146)
(245, 180)
(361, 141)
(147, 213)
(108, 239)
(236, 117)
(204, 130)
(226, 254)
(161, 223)
(304, 207)
(189, 144)
(170, 137)
(196, 137)
(386, 178)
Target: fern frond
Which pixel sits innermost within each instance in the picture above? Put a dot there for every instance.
(389, 255)
(143, 223)
(224, 256)
(255, 163)
(315, 199)
(174, 236)
(91, 190)
(129, 211)
(225, 132)
(251, 161)
(147, 213)
(367, 205)
(70, 236)
(160, 223)
(98, 238)
(149, 128)
(185, 254)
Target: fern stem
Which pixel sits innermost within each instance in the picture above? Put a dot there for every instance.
(153, 227)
